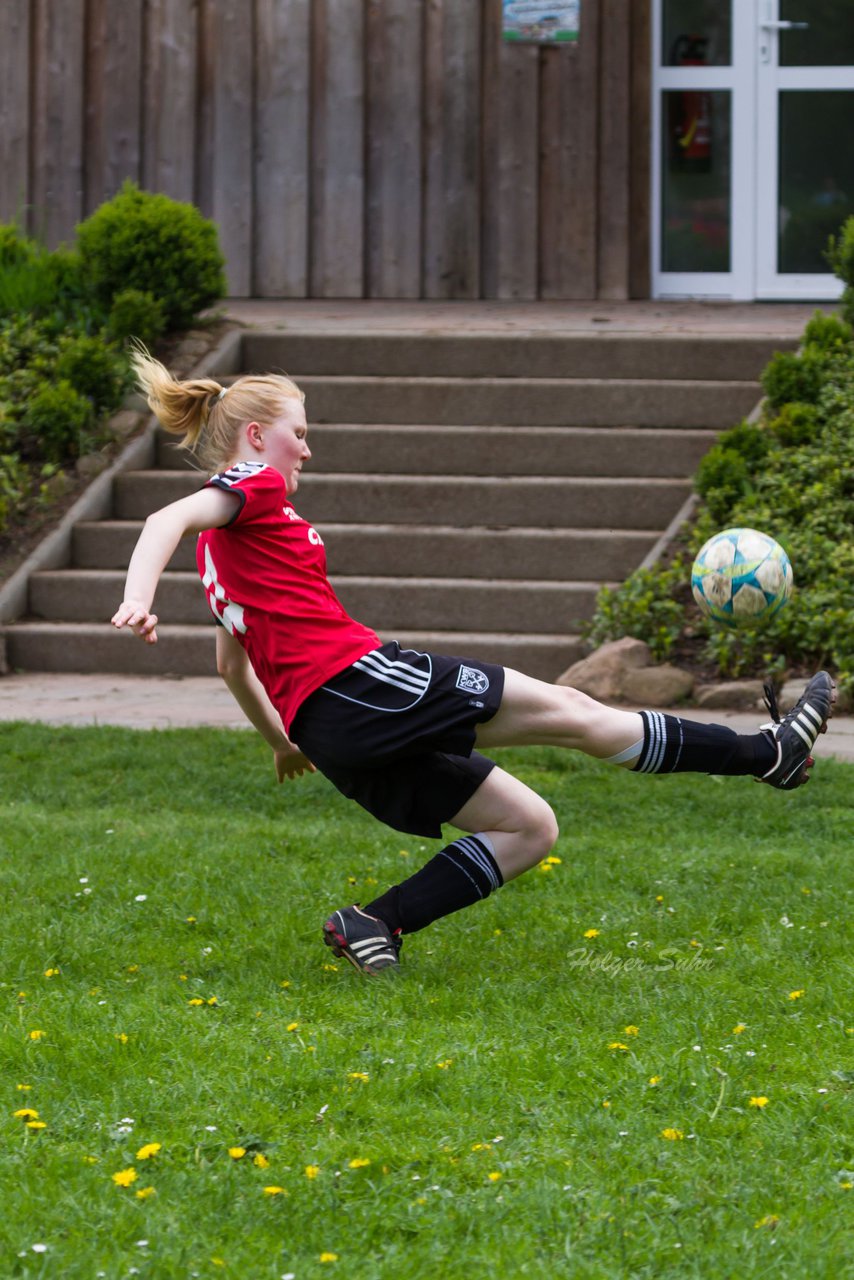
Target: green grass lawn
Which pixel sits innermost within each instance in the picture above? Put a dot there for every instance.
(497, 1108)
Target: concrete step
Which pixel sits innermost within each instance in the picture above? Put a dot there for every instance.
(490, 451)
(190, 651)
(522, 355)
(386, 604)
(548, 502)
(584, 402)
(434, 551)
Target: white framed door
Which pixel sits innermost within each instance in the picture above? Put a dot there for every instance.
(753, 164)
(804, 151)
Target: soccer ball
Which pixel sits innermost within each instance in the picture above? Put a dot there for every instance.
(741, 575)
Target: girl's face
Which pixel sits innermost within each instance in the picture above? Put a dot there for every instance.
(282, 443)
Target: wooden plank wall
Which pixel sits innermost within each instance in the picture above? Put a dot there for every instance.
(345, 148)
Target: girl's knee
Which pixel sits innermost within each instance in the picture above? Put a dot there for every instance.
(541, 828)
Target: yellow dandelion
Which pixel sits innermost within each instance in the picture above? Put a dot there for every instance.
(546, 866)
(23, 1088)
(90, 1159)
(360, 1162)
(672, 1135)
(617, 1044)
(482, 1146)
(333, 1257)
(37, 1035)
(213, 1000)
(275, 1191)
(36, 1124)
(330, 968)
(260, 1161)
(125, 1177)
(191, 919)
(846, 1186)
(150, 1149)
(694, 943)
(796, 995)
(659, 897)
(770, 1220)
(606, 1104)
(121, 1037)
(444, 1064)
(182, 977)
(494, 1176)
(284, 984)
(51, 973)
(237, 1153)
(759, 1102)
(145, 1192)
(292, 1026)
(196, 1001)
(738, 1028)
(311, 1171)
(631, 1030)
(592, 933)
(553, 861)
(358, 1075)
(133, 968)
(655, 1079)
(26, 1113)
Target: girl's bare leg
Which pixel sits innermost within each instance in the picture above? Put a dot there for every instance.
(520, 824)
(534, 713)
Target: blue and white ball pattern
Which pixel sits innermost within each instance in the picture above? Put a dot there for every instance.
(741, 575)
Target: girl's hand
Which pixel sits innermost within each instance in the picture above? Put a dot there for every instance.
(291, 763)
(131, 613)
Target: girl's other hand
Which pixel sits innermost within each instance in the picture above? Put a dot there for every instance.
(292, 763)
(131, 613)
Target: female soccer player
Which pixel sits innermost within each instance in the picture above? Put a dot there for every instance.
(394, 729)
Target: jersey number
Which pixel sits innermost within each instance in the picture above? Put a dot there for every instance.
(229, 614)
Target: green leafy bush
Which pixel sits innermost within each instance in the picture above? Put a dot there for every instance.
(136, 313)
(789, 376)
(149, 242)
(646, 606)
(57, 424)
(828, 333)
(840, 255)
(95, 370)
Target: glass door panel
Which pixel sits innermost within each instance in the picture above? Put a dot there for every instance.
(816, 175)
(696, 33)
(695, 187)
(825, 40)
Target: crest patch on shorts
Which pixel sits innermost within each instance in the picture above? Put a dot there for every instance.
(470, 680)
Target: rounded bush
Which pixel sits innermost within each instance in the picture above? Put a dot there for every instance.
(56, 424)
(152, 243)
(722, 478)
(136, 313)
(793, 377)
(796, 424)
(94, 370)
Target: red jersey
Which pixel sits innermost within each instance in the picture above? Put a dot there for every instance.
(265, 577)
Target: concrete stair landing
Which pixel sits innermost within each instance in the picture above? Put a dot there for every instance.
(473, 491)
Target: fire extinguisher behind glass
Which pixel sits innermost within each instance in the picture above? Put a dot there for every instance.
(690, 114)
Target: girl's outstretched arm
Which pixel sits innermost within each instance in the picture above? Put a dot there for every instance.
(232, 663)
(163, 530)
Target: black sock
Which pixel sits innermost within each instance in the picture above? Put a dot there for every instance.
(674, 745)
(460, 874)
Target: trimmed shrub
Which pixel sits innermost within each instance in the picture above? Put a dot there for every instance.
(136, 313)
(828, 333)
(840, 255)
(154, 244)
(57, 424)
(95, 370)
(793, 377)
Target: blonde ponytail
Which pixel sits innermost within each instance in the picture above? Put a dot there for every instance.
(207, 415)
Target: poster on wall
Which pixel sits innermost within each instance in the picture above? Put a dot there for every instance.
(541, 21)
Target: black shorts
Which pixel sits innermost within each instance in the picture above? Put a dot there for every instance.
(396, 731)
